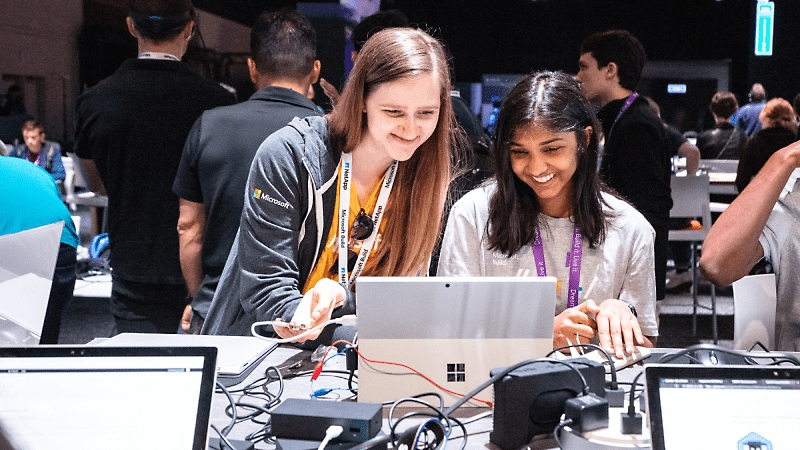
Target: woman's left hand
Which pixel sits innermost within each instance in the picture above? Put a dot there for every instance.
(617, 327)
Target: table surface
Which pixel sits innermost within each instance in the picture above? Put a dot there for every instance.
(291, 360)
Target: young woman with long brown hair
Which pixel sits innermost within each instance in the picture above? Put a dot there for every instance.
(386, 149)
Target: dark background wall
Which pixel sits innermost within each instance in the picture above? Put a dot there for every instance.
(520, 35)
(517, 36)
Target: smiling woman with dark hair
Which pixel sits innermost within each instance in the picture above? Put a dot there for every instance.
(547, 201)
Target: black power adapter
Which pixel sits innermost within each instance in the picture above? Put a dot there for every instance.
(305, 419)
(531, 399)
(587, 412)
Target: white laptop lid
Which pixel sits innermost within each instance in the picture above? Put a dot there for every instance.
(452, 330)
(27, 262)
(107, 397)
(723, 407)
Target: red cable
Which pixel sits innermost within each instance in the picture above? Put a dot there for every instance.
(487, 403)
(318, 370)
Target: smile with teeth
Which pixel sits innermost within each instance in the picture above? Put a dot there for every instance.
(544, 179)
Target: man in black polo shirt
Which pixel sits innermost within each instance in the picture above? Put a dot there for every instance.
(130, 131)
(636, 159)
(223, 142)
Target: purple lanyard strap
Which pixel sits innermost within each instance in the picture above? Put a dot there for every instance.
(573, 262)
(628, 102)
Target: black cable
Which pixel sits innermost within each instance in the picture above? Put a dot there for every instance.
(350, 382)
(784, 357)
(223, 439)
(632, 399)
(232, 403)
(777, 358)
(564, 423)
(505, 372)
(758, 344)
(449, 421)
(601, 349)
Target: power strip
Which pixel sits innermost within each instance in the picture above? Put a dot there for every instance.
(638, 354)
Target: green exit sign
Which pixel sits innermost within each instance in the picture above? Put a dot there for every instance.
(765, 20)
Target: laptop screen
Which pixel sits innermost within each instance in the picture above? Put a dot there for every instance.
(98, 397)
(723, 407)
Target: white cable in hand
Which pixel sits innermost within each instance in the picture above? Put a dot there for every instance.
(349, 320)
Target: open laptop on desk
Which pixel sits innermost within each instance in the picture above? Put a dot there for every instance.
(107, 397)
(723, 407)
(452, 330)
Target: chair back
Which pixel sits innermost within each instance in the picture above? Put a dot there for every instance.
(690, 199)
(754, 303)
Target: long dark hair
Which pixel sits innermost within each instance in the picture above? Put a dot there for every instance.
(552, 100)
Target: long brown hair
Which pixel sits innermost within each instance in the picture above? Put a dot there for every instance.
(414, 212)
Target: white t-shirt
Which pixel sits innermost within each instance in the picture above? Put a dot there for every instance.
(623, 263)
(780, 240)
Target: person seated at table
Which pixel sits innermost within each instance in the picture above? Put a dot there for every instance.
(297, 253)
(778, 129)
(724, 141)
(36, 149)
(546, 199)
(678, 144)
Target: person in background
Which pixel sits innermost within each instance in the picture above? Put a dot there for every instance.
(547, 201)
(368, 26)
(129, 135)
(747, 117)
(36, 149)
(13, 102)
(681, 276)
(30, 199)
(755, 227)
(223, 141)
(678, 144)
(725, 141)
(636, 161)
(360, 191)
(778, 129)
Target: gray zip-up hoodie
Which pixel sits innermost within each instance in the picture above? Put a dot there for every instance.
(287, 215)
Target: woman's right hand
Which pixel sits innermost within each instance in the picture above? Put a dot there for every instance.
(314, 309)
(574, 324)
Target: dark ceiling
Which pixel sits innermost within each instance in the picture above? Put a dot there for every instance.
(245, 11)
(517, 36)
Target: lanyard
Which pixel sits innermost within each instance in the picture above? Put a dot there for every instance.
(628, 102)
(158, 55)
(573, 262)
(345, 181)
